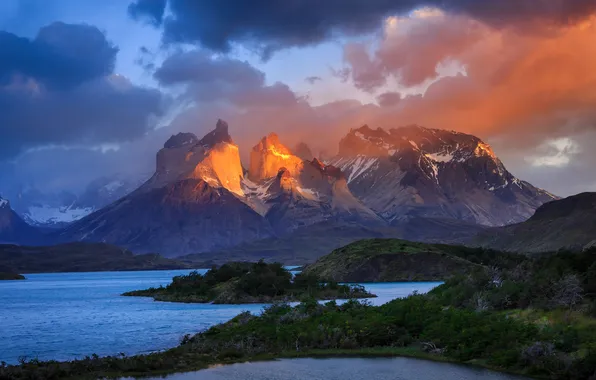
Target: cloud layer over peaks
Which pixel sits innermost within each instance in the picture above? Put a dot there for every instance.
(271, 25)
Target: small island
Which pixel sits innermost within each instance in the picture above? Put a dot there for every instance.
(242, 283)
(11, 276)
(7, 273)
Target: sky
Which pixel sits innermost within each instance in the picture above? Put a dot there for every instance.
(93, 88)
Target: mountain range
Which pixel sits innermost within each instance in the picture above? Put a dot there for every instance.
(410, 182)
(51, 210)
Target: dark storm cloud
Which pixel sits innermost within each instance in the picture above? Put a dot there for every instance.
(61, 55)
(151, 11)
(222, 79)
(59, 89)
(271, 25)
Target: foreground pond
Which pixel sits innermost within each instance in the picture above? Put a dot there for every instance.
(344, 369)
(63, 316)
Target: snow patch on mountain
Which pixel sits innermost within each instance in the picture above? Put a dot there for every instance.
(46, 215)
(355, 166)
(114, 185)
(308, 193)
(440, 157)
(3, 202)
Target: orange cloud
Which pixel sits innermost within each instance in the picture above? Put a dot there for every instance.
(526, 83)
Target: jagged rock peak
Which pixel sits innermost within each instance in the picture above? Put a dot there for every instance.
(181, 139)
(268, 156)
(317, 163)
(218, 135)
(326, 170)
(4, 203)
(303, 151)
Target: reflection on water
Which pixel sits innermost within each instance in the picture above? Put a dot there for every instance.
(344, 369)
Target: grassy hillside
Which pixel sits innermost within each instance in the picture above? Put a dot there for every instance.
(533, 317)
(401, 260)
(80, 257)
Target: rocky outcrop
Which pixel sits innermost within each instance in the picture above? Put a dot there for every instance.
(268, 156)
(180, 140)
(214, 159)
(419, 172)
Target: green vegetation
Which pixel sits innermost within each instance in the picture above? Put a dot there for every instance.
(384, 260)
(532, 316)
(260, 282)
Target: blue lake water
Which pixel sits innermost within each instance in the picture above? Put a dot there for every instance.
(67, 315)
(343, 369)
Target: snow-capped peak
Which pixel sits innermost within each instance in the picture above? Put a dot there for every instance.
(3, 203)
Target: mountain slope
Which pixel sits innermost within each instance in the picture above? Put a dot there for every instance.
(292, 193)
(420, 172)
(568, 223)
(13, 229)
(190, 204)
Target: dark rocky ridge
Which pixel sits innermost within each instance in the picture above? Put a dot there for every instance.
(568, 223)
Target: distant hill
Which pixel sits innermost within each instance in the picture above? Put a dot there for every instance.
(80, 257)
(387, 260)
(568, 224)
(306, 244)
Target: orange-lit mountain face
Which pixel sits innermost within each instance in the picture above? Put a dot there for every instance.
(411, 182)
(268, 156)
(193, 203)
(291, 192)
(214, 159)
(420, 172)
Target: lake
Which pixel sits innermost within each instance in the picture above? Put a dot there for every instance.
(343, 369)
(63, 316)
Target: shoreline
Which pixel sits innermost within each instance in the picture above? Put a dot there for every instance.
(411, 352)
(252, 302)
